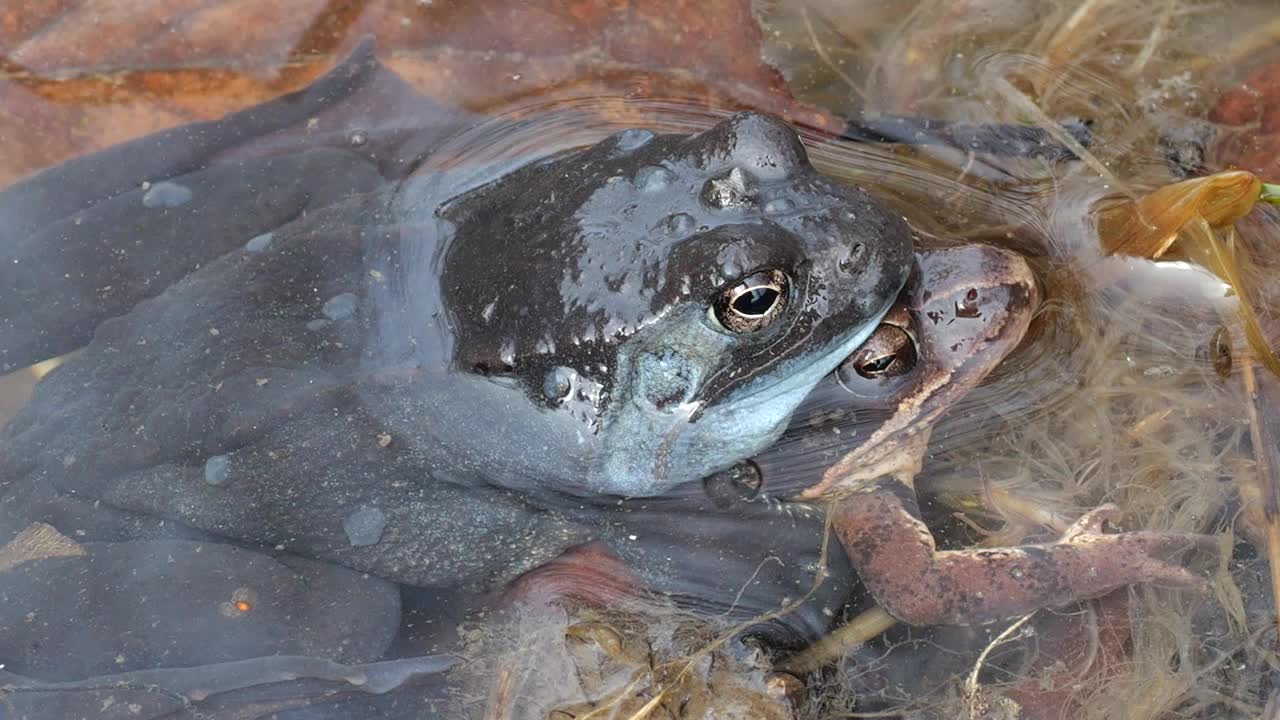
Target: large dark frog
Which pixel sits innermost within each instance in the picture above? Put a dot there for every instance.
(304, 335)
(617, 319)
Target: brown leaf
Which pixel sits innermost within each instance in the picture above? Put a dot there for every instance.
(1252, 109)
(76, 76)
(1148, 226)
(1077, 652)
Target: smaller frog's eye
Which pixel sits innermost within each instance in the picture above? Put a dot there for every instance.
(753, 302)
(889, 352)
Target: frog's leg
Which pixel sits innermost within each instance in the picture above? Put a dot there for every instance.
(895, 556)
(992, 139)
(62, 279)
(737, 564)
(89, 239)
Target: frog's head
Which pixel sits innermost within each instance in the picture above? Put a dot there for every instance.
(964, 309)
(666, 301)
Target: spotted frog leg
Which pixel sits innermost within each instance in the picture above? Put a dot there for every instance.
(964, 310)
(896, 557)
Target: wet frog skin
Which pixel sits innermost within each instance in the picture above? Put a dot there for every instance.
(406, 375)
(626, 318)
(859, 440)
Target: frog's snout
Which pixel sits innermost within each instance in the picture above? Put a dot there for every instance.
(666, 379)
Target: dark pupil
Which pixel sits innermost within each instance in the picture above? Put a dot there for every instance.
(755, 301)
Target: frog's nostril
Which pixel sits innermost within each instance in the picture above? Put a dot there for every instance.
(558, 383)
(853, 260)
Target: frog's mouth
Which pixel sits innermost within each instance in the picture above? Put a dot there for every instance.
(653, 449)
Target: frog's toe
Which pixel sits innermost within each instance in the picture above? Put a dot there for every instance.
(1093, 522)
(1160, 545)
(1109, 561)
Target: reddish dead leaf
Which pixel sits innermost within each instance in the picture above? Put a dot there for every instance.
(1252, 110)
(78, 76)
(1077, 653)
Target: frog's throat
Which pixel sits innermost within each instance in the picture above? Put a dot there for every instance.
(653, 451)
(817, 367)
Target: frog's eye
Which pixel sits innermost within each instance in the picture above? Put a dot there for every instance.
(752, 302)
(889, 352)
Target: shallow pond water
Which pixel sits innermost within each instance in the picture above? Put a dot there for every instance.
(1136, 383)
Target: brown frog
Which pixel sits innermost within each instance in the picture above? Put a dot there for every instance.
(859, 440)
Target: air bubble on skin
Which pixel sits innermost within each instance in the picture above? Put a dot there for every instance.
(654, 177)
(358, 138)
(166, 195)
(729, 191)
(217, 469)
(779, 205)
(364, 526)
(258, 243)
(559, 383)
(340, 307)
(678, 224)
(633, 138)
(507, 352)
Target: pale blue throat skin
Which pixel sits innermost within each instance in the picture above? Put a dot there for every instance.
(652, 451)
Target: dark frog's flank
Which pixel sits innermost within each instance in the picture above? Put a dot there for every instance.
(635, 315)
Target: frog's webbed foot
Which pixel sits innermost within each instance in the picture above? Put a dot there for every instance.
(1144, 556)
(894, 554)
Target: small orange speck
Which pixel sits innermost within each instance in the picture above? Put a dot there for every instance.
(244, 606)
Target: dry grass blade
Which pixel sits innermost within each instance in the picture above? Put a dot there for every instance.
(1267, 464)
(1074, 33)
(1027, 107)
(972, 690)
(867, 625)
